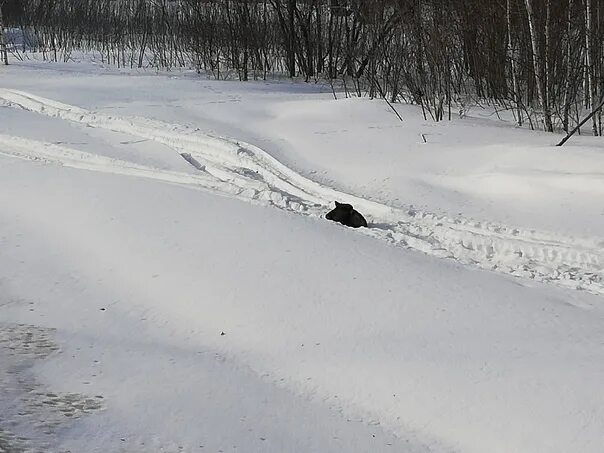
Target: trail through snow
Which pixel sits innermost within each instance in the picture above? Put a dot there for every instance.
(245, 171)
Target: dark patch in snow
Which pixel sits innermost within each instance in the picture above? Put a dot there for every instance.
(32, 415)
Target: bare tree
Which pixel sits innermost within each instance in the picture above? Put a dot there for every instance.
(538, 65)
(567, 81)
(3, 46)
(434, 53)
(513, 64)
(591, 93)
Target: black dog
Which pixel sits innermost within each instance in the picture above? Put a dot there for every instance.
(346, 215)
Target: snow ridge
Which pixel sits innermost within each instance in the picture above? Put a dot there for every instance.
(244, 171)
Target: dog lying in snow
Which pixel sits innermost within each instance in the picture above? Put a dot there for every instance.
(346, 215)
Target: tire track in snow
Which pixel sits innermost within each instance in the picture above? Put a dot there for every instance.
(245, 171)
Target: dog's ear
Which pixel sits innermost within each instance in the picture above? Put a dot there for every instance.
(337, 204)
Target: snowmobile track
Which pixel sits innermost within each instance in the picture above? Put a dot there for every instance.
(244, 171)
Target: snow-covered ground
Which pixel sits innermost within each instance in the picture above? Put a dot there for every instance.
(167, 282)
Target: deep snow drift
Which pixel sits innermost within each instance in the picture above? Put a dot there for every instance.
(244, 170)
(334, 340)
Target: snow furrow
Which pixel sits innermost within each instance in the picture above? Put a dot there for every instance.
(245, 171)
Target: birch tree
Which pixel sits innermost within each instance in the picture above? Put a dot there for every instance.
(538, 65)
(591, 92)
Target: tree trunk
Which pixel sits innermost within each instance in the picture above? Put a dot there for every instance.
(546, 55)
(591, 94)
(567, 86)
(291, 11)
(585, 120)
(512, 57)
(538, 66)
(319, 38)
(3, 48)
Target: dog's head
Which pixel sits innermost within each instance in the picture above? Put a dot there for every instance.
(341, 212)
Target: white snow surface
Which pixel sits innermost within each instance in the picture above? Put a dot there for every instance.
(168, 282)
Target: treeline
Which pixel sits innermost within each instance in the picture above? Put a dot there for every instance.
(542, 59)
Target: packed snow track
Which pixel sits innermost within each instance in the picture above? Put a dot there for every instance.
(244, 171)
